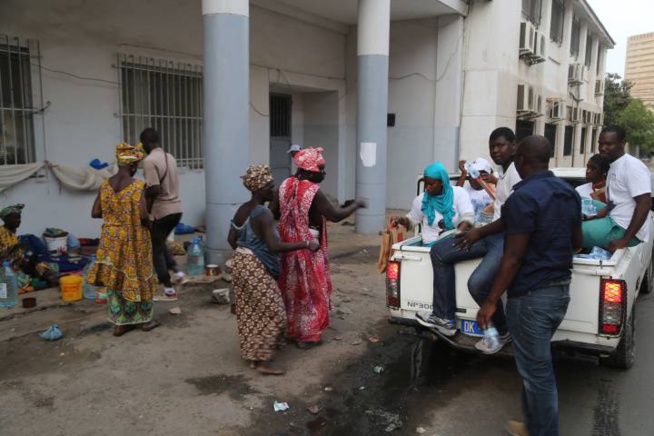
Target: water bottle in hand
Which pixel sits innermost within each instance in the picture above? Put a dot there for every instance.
(492, 336)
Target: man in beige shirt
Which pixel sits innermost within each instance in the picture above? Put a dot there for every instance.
(164, 207)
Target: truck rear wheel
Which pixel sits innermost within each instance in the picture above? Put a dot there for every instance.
(625, 355)
(647, 286)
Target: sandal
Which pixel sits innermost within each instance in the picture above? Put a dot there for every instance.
(307, 345)
(268, 368)
(120, 330)
(150, 325)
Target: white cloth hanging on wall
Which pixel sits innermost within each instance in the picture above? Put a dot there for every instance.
(12, 174)
(82, 179)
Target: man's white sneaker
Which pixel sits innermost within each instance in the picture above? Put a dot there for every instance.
(485, 346)
(429, 320)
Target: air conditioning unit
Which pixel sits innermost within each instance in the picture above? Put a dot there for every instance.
(540, 49)
(557, 112)
(525, 99)
(599, 87)
(588, 117)
(576, 74)
(575, 115)
(527, 39)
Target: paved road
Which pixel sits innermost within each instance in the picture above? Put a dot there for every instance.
(457, 394)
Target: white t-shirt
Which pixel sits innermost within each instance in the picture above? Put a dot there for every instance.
(504, 188)
(463, 211)
(585, 190)
(628, 177)
(479, 199)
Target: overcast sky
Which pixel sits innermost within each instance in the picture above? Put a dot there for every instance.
(622, 19)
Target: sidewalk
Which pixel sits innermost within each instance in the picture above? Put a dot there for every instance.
(81, 316)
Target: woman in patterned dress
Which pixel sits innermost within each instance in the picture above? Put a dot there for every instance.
(260, 313)
(124, 258)
(305, 279)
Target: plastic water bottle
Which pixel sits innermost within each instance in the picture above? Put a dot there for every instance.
(492, 336)
(195, 258)
(8, 286)
(89, 289)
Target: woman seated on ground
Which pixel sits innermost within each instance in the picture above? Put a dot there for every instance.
(260, 311)
(124, 257)
(478, 196)
(441, 208)
(11, 250)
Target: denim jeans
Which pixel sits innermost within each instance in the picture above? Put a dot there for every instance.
(481, 280)
(532, 319)
(162, 258)
(444, 255)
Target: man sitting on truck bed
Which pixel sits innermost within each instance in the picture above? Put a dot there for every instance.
(542, 224)
(445, 254)
(628, 193)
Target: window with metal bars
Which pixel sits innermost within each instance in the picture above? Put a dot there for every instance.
(575, 37)
(280, 115)
(556, 21)
(167, 96)
(16, 108)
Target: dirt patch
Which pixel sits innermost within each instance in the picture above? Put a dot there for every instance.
(235, 386)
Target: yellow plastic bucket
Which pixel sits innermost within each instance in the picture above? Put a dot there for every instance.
(71, 288)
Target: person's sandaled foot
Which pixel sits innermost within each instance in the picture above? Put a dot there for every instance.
(120, 330)
(150, 325)
(305, 345)
(268, 368)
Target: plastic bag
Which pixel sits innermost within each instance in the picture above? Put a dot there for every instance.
(53, 333)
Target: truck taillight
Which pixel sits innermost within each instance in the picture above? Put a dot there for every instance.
(393, 285)
(613, 301)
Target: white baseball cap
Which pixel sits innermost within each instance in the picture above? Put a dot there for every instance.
(294, 147)
(481, 164)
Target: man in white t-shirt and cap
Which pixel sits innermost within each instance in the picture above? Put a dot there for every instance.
(478, 195)
(629, 191)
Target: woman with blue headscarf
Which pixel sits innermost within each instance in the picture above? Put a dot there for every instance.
(441, 207)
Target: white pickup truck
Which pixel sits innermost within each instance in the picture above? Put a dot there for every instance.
(600, 318)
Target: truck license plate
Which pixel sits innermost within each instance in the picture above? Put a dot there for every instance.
(470, 328)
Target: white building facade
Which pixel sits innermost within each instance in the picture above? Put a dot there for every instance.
(79, 77)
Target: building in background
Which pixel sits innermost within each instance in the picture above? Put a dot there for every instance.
(77, 78)
(639, 67)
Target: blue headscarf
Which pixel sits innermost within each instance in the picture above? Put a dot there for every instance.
(442, 203)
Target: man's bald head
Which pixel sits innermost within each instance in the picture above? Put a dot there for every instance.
(533, 155)
(535, 149)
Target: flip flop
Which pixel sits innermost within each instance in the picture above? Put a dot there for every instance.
(266, 368)
(118, 331)
(150, 325)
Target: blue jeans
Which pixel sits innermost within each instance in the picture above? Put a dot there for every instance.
(532, 319)
(444, 255)
(481, 280)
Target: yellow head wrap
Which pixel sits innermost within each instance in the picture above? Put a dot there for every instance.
(127, 154)
(256, 177)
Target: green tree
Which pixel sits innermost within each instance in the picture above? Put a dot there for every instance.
(616, 97)
(638, 121)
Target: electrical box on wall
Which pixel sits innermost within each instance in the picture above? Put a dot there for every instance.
(390, 120)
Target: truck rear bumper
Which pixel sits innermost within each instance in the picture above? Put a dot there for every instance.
(467, 343)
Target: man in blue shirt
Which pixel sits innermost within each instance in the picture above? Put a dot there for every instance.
(542, 226)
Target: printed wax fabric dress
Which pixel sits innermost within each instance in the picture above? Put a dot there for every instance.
(305, 280)
(124, 258)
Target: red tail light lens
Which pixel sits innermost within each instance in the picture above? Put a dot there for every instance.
(393, 271)
(613, 295)
(393, 285)
(612, 291)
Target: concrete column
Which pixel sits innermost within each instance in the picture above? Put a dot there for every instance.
(372, 107)
(226, 117)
